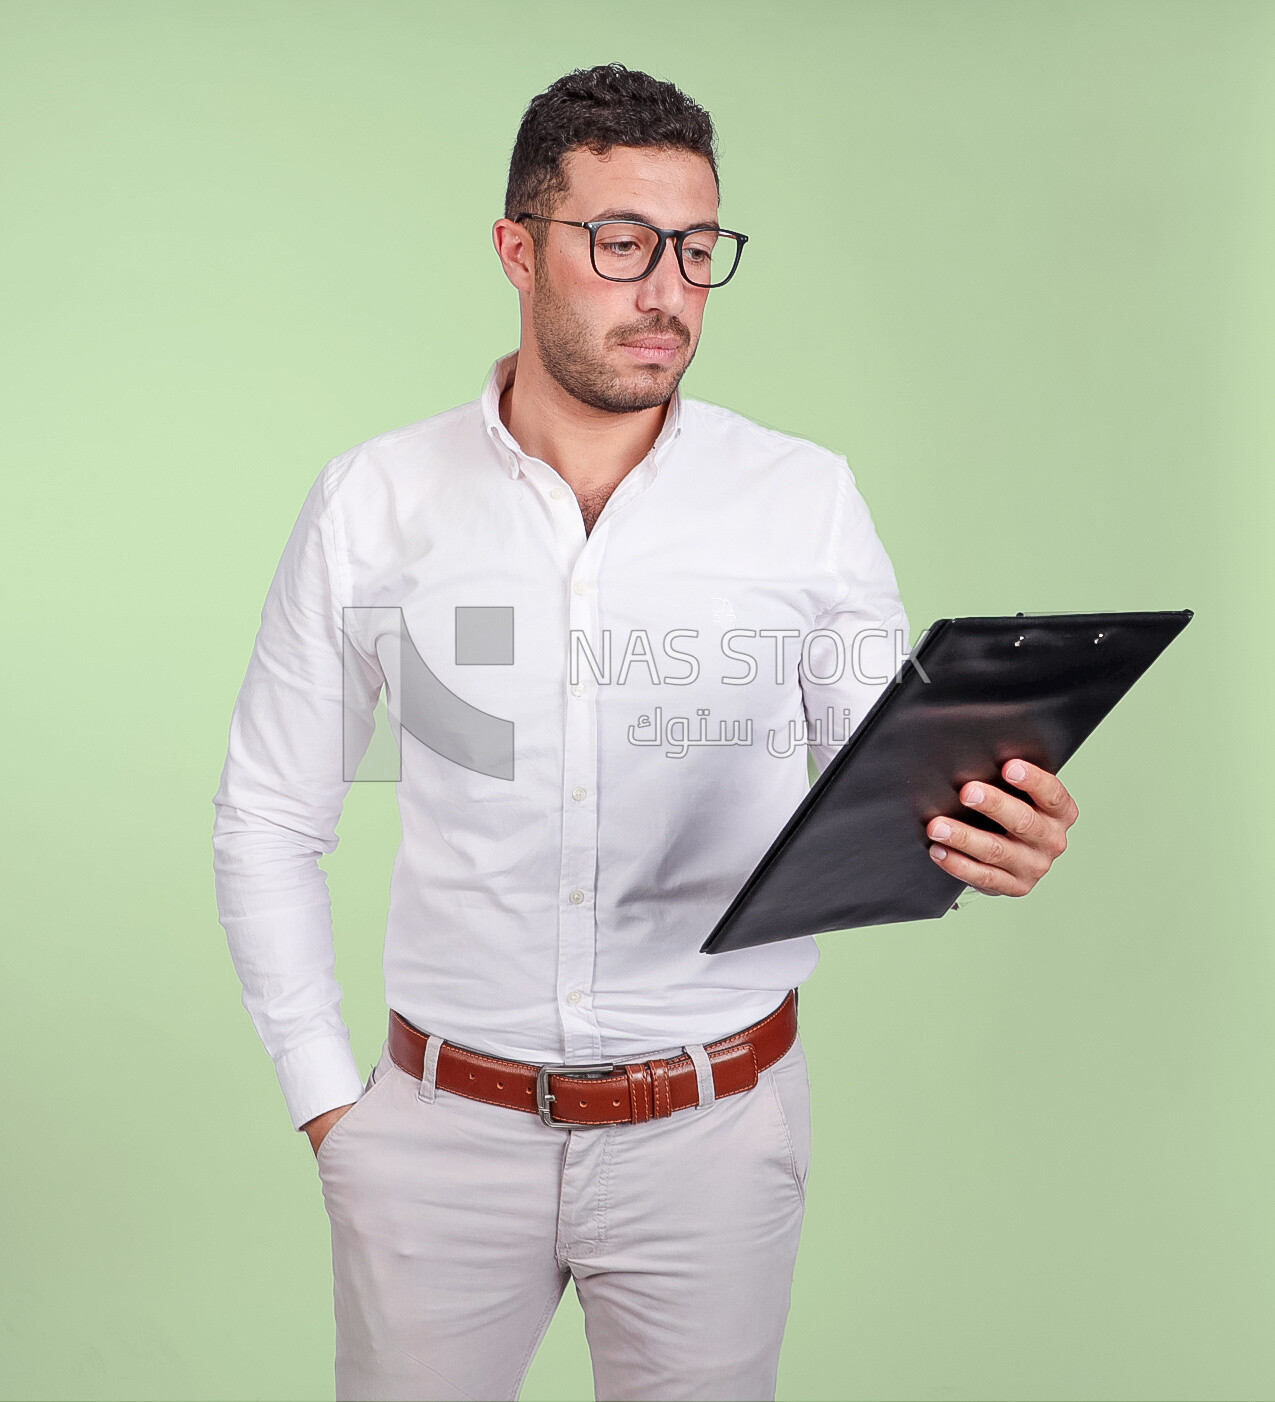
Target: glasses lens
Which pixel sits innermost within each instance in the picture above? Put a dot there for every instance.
(708, 256)
(623, 250)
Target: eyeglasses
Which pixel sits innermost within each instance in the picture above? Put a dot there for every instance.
(618, 248)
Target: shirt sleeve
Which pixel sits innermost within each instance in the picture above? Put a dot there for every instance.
(858, 643)
(276, 810)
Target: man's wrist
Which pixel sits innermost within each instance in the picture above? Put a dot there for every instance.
(317, 1128)
(317, 1076)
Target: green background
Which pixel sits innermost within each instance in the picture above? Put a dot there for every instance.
(1014, 260)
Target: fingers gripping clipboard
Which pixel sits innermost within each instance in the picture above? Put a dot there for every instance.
(973, 694)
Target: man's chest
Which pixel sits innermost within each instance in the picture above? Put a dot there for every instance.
(591, 504)
(696, 607)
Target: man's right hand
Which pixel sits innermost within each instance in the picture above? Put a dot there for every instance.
(318, 1127)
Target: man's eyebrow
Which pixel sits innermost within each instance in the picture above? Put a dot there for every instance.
(640, 218)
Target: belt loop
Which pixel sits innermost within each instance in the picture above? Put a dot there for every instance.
(640, 1097)
(703, 1074)
(433, 1045)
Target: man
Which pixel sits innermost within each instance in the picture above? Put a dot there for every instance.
(567, 570)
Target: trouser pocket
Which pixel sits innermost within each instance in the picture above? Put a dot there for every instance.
(790, 1084)
(350, 1121)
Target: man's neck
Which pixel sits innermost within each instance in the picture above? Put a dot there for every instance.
(591, 449)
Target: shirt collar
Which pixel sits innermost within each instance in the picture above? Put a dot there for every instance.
(498, 378)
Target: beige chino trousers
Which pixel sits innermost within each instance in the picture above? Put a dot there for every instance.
(456, 1226)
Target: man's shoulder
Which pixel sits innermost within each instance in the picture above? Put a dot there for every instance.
(408, 448)
(746, 439)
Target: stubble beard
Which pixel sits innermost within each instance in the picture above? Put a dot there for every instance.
(565, 351)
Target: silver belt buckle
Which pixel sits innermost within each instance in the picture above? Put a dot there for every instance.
(545, 1097)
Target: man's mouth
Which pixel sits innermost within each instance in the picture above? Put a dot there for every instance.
(653, 350)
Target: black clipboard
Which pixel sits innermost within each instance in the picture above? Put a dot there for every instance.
(973, 694)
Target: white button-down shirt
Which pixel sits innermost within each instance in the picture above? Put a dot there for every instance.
(601, 733)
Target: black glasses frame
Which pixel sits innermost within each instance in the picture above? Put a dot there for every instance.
(677, 235)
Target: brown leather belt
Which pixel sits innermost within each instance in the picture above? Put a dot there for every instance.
(608, 1093)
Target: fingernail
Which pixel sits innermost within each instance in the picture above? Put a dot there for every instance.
(941, 830)
(975, 795)
(1015, 772)
(938, 853)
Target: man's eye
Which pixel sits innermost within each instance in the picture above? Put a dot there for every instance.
(698, 255)
(619, 246)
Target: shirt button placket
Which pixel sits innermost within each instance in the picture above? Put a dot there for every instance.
(578, 920)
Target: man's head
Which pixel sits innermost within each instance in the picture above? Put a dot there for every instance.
(601, 143)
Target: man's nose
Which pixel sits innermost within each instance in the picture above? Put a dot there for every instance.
(663, 288)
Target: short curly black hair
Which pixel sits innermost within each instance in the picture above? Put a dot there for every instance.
(598, 108)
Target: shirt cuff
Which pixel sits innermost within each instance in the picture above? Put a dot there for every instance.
(318, 1076)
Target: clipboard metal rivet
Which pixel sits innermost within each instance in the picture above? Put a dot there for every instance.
(1100, 637)
(1018, 642)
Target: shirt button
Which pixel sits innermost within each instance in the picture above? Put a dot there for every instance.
(558, 493)
(576, 896)
(574, 996)
(577, 690)
(580, 587)
(579, 793)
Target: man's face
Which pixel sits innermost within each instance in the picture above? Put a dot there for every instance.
(620, 346)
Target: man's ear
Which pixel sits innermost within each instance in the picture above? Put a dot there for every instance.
(517, 253)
